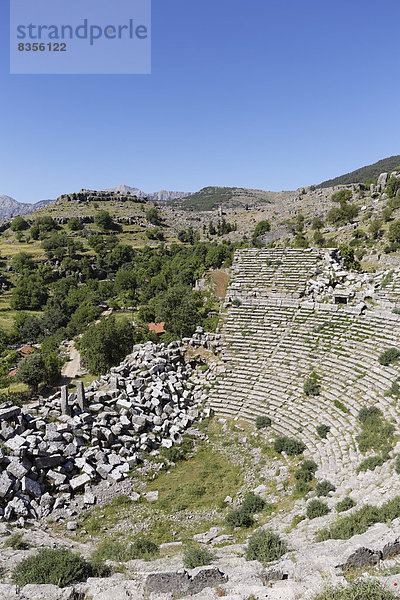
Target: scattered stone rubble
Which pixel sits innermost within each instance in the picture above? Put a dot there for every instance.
(51, 451)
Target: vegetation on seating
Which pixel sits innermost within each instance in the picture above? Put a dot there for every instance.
(345, 504)
(389, 356)
(323, 488)
(265, 546)
(59, 567)
(359, 521)
(312, 385)
(290, 446)
(316, 508)
(262, 422)
(376, 433)
(323, 431)
(305, 476)
(370, 463)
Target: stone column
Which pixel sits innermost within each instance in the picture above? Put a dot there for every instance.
(80, 392)
(64, 400)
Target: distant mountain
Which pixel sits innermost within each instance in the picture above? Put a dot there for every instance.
(161, 196)
(11, 208)
(365, 174)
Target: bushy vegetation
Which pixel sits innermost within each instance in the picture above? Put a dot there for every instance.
(304, 476)
(291, 446)
(56, 566)
(376, 433)
(194, 556)
(312, 386)
(389, 356)
(316, 508)
(16, 542)
(345, 504)
(370, 463)
(323, 488)
(243, 516)
(121, 551)
(361, 519)
(265, 546)
(397, 464)
(263, 421)
(323, 431)
(358, 590)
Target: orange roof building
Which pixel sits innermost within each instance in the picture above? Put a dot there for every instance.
(157, 327)
(26, 350)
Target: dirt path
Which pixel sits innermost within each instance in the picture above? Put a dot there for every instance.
(72, 367)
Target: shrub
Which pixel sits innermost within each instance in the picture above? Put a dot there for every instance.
(252, 503)
(291, 446)
(16, 542)
(194, 556)
(239, 518)
(143, 548)
(370, 463)
(316, 508)
(324, 487)
(363, 518)
(309, 465)
(323, 431)
(358, 590)
(389, 356)
(376, 432)
(311, 386)
(262, 422)
(56, 566)
(265, 546)
(345, 504)
(397, 464)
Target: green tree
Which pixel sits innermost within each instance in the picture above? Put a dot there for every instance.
(30, 293)
(74, 224)
(394, 231)
(180, 309)
(19, 224)
(103, 220)
(261, 229)
(22, 262)
(153, 216)
(32, 370)
(106, 344)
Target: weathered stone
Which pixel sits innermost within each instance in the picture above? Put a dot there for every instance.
(79, 482)
(31, 487)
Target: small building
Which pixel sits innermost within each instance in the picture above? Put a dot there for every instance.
(25, 350)
(157, 327)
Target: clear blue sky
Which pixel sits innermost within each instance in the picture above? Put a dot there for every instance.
(270, 94)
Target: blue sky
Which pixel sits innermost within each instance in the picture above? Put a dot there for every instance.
(270, 94)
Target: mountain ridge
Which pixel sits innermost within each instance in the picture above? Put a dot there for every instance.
(364, 174)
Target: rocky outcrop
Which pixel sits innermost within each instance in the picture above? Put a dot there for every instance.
(181, 583)
(52, 451)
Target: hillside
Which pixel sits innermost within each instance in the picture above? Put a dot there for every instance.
(209, 198)
(365, 174)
